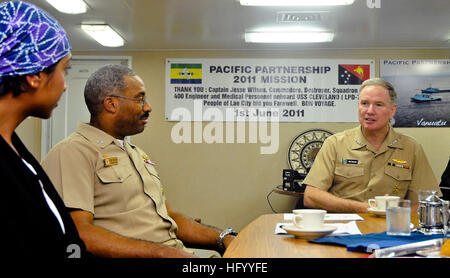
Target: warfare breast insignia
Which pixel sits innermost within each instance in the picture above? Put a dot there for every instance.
(398, 161)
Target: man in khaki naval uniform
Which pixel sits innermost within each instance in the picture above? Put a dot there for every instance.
(370, 160)
(115, 193)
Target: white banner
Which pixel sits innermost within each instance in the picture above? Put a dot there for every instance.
(287, 90)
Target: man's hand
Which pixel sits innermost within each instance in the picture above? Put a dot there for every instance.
(317, 198)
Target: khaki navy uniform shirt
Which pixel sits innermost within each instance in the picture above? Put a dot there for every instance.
(347, 166)
(118, 185)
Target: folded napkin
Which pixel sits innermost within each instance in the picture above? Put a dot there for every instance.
(369, 242)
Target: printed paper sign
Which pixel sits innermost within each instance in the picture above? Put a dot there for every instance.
(285, 90)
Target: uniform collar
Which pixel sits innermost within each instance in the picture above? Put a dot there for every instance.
(129, 143)
(96, 136)
(359, 140)
(392, 140)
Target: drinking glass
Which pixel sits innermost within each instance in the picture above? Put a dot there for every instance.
(398, 217)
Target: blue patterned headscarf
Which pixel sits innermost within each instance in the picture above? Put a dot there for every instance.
(30, 39)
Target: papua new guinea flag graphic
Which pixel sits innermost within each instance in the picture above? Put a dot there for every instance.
(353, 74)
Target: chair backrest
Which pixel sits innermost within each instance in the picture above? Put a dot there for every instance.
(445, 182)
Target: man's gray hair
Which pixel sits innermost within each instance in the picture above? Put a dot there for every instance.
(105, 81)
(383, 83)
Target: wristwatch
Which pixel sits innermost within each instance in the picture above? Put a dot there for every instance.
(227, 231)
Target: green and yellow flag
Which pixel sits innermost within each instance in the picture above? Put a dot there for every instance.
(186, 74)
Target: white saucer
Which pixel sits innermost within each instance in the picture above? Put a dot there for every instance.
(380, 213)
(309, 234)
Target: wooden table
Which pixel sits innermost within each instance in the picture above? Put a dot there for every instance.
(258, 240)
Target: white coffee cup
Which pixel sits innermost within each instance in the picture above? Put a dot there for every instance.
(308, 218)
(379, 203)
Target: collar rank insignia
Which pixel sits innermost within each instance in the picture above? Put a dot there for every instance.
(358, 142)
(393, 143)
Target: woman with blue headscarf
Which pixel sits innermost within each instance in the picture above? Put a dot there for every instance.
(34, 57)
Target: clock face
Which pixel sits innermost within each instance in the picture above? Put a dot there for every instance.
(304, 148)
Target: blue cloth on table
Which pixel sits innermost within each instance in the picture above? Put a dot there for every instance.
(369, 242)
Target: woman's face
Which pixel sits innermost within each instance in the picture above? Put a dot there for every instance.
(52, 86)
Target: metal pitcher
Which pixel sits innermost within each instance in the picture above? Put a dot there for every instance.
(433, 213)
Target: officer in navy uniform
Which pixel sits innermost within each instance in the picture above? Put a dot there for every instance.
(370, 160)
(115, 192)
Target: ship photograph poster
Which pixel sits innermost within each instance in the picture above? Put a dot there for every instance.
(423, 91)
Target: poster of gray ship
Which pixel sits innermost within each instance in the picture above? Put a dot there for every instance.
(423, 91)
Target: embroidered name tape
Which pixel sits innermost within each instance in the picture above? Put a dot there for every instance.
(349, 161)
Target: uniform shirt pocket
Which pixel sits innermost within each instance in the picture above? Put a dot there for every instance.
(349, 171)
(109, 175)
(398, 173)
(348, 180)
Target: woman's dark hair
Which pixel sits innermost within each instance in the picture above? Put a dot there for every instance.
(18, 84)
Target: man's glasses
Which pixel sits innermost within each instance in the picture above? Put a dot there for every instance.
(143, 100)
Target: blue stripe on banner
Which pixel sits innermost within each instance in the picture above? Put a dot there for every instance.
(185, 81)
